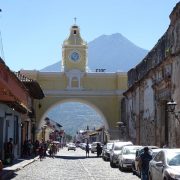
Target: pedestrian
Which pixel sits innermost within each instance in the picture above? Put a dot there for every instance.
(41, 153)
(87, 149)
(144, 160)
(29, 148)
(36, 147)
(9, 151)
(99, 149)
(53, 147)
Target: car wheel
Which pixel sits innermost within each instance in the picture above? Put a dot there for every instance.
(112, 164)
(121, 167)
(133, 170)
(150, 177)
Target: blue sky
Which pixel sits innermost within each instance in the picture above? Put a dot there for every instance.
(33, 30)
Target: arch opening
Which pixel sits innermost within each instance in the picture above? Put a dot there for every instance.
(75, 115)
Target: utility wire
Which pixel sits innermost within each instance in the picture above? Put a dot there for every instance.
(2, 50)
(1, 43)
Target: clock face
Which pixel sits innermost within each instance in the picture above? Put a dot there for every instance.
(74, 56)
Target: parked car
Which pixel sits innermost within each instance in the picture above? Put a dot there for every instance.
(106, 151)
(83, 146)
(127, 157)
(135, 165)
(165, 165)
(116, 150)
(93, 146)
(71, 146)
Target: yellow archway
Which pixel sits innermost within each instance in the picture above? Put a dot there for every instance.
(100, 90)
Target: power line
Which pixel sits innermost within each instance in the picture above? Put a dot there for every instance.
(1, 43)
(2, 50)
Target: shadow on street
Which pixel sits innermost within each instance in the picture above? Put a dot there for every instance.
(74, 157)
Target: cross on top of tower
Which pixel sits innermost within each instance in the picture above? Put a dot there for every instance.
(75, 20)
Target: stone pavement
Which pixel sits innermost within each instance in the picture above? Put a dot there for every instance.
(72, 165)
(8, 171)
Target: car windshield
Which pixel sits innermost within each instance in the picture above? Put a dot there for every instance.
(119, 146)
(130, 150)
(116, 148)
(173, 159)
(71, 144)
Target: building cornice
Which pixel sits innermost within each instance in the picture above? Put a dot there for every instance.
(87, 93)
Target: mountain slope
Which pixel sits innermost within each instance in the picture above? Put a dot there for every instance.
(111, 52)
(74, 116)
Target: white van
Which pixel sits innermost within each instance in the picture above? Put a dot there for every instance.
(116, 150)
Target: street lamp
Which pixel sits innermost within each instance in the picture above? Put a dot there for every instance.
(122, 128)
(171, 105)
(44, 132)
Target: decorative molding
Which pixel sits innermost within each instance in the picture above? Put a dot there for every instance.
(81, 92)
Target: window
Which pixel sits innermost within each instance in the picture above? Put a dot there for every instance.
(74, 31)
(157, 157)
(74, 82)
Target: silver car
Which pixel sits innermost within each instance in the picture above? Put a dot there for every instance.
(165, 165)
(106, 151)
(127, 157)
(116, 150)
(71, 146)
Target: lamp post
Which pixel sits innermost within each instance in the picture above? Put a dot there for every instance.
(122, 129)
(44, 132)
(171, 105)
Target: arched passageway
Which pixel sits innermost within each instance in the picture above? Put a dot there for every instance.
(74, 115)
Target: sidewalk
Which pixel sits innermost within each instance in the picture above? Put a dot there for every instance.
(8, 171)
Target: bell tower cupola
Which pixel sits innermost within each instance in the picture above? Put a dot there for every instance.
(74, 51)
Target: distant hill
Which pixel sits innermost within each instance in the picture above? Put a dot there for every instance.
(111, 52)
(74, 116)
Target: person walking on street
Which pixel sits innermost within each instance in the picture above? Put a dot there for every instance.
(145, 158)
(41, 153)
(87, 149)
(99, 149)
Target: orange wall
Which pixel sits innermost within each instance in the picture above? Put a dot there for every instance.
(11, 89)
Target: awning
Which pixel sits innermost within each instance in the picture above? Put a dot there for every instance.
(18, 107)
(93, 134)
(12, 90)
(100, 129)
(33, 86)
(34, 89)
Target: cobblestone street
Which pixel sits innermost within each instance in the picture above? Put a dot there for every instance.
(72, 165)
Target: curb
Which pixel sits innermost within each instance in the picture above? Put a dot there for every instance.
(9, 171)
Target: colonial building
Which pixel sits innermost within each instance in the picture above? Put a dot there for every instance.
(16, 112)
(151, 85)
(13, 102)
(29, 119)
